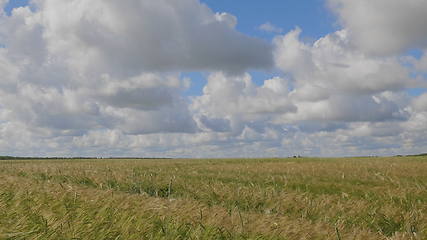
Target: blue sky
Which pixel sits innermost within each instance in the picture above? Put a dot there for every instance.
(311, 15)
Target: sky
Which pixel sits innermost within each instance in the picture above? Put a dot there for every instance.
(213, 78)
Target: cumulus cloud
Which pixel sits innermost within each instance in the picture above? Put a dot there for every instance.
(104, 79)
(334, 82)
(384, 27)
(127, 37)
(331, 65)
(100, 65)
(238, 100)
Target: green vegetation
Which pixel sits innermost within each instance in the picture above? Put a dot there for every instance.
(296, 198)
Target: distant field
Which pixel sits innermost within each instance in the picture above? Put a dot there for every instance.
(354, 198)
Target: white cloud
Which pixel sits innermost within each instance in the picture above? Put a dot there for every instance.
(226, 18)
(127, 37)
(334, 82)
(244, 112)
(269, 27)
(238, 99)
(105, 78)
(92, 68)
(420, 103)
(384, 27)
(331, 65)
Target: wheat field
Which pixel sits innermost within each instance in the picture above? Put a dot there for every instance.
(294, 198)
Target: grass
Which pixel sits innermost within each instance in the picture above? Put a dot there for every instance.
(303, 198)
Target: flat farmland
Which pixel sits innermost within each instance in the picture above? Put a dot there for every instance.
(294, 198)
